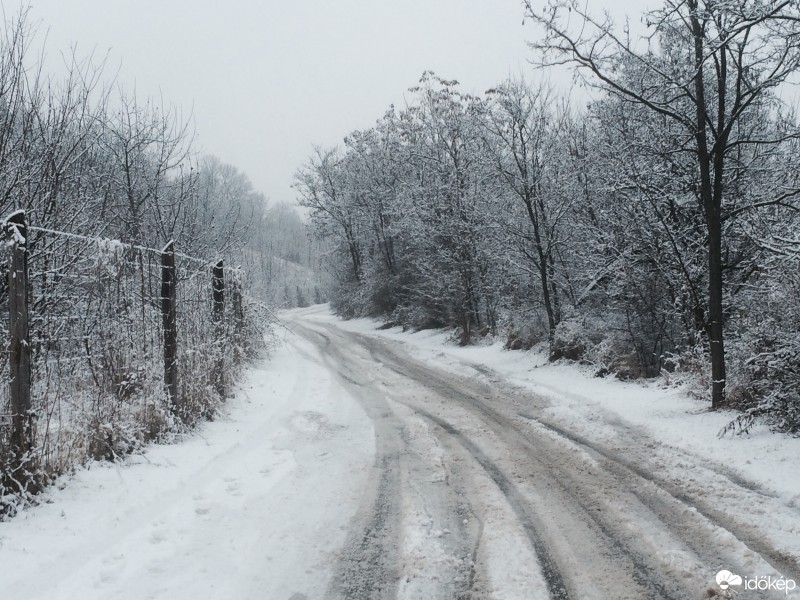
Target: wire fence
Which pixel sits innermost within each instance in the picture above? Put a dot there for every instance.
(96, 341)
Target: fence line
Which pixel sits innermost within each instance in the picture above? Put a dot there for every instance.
(103, 240)
(87, 328)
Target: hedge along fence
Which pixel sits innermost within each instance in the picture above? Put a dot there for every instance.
(110, 345)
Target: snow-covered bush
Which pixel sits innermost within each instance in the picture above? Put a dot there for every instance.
(570, 340)
(765, 356)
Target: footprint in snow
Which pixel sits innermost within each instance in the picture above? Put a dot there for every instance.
(313, 425)
(234, 487)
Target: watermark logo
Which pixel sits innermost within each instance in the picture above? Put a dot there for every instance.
(727, 580)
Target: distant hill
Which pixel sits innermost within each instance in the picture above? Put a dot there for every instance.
(287, 260)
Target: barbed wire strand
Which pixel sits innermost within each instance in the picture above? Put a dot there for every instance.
(99, 240)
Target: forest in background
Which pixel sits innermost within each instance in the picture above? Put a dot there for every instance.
(652, 232)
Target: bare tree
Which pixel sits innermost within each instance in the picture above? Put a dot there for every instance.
(522, 125)
(152, 177)
(323, 187)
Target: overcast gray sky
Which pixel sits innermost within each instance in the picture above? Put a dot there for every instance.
(266, 79)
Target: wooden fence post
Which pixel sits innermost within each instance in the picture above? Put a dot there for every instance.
(238, 307)
(217, 317)
(237, 314)
(169, 320)
(19, 332)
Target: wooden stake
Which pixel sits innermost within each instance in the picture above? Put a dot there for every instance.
(217, 317)
(169, 320)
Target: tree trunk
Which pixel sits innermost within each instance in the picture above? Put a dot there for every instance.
(711, 197)
(544, 272)
(715, 313)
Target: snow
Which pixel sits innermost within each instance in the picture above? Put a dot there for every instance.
(11, 225)
(258, 504)
(262, 496)
(685, 450)
(668, 414)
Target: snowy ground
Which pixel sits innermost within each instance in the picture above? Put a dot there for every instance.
(360, 463)
(252, 506)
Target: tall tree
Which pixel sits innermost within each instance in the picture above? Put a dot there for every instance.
(709, 66)
(521, 124)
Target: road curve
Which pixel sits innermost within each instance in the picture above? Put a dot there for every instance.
(475, 494)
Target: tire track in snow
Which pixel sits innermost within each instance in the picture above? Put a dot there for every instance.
(634, 572)
(367, 567)
(722, 470)
(642, 572)
(431, 380)
(668, 497)
(552, 576)
(784, 564)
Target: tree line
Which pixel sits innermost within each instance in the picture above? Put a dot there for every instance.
(84, 155)
(653, 230)
(106, 179)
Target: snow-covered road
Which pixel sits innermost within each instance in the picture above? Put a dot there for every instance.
(495, 499)
(347, 468)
